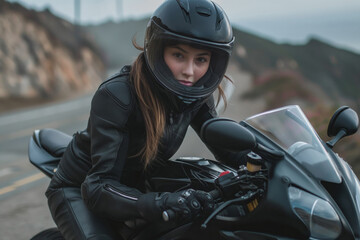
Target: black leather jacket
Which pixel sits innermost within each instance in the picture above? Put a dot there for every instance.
(102, 159)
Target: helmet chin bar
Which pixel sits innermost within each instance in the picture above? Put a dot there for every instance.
(187, 100)
(200, 84)
(172, 101)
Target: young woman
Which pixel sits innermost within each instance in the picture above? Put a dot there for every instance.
(138, 120)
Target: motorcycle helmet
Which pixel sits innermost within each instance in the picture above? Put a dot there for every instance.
(198, 23)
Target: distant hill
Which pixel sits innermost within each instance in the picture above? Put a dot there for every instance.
(43, 56)
(335, 71)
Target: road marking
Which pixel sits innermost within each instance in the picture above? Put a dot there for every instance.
(42, 112)
(5, 171)
(29, 131)
(21, 182)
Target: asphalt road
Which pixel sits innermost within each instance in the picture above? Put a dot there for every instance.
(23, 208)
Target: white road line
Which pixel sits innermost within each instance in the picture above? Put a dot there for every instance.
(44, 112)
(5, 171)
(29, 131)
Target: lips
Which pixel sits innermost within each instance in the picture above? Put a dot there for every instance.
(186, 83)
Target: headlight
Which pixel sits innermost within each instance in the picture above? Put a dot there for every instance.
(317, 214)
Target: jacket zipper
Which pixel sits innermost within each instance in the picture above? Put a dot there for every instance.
(115, 191)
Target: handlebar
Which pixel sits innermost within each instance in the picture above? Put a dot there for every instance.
(215, 193)
(228, 186)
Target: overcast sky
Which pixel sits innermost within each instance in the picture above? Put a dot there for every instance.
(293, 21)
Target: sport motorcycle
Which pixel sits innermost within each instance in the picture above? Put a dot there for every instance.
(294, 186)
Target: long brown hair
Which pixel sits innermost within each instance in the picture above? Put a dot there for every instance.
(152, 107)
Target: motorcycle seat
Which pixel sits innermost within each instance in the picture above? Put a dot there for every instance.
(54, 141)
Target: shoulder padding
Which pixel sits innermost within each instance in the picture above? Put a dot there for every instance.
(112, 102)
(118, 89)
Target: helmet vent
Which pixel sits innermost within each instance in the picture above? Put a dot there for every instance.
(184, 4)
(185, 7)
(219, 17)
(203, 11)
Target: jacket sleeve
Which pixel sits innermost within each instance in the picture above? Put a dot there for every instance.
(206, 112)
(102, 190)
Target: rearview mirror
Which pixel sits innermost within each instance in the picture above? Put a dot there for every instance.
(344, 122)
(227, 134)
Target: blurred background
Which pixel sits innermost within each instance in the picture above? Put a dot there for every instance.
(54, 54)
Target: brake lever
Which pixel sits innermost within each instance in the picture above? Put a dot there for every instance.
(240, 200)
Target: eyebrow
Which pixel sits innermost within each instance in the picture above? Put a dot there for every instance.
(184, 51)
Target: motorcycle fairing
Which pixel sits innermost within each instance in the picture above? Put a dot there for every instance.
(289, 128)
(336, 182)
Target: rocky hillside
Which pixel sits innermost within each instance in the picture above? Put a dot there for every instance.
(43, 56)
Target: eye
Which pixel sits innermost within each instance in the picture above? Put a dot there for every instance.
(178, 55)
(202, 59)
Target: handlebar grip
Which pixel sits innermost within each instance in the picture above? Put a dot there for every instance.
(215, 193)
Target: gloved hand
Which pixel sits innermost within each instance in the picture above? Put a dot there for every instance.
(186, 204)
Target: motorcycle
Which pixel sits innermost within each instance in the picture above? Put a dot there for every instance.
(294, 185)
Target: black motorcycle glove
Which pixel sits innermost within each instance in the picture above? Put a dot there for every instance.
(206, 201)
(186, 205)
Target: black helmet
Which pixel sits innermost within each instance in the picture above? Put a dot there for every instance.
(199, 23)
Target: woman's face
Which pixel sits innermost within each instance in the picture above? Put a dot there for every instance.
(186, 63)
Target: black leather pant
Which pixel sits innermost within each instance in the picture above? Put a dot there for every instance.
(73, 218)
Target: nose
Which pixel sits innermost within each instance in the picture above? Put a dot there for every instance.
(188, 69)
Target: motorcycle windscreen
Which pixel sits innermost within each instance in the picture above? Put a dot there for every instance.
(291, 130)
